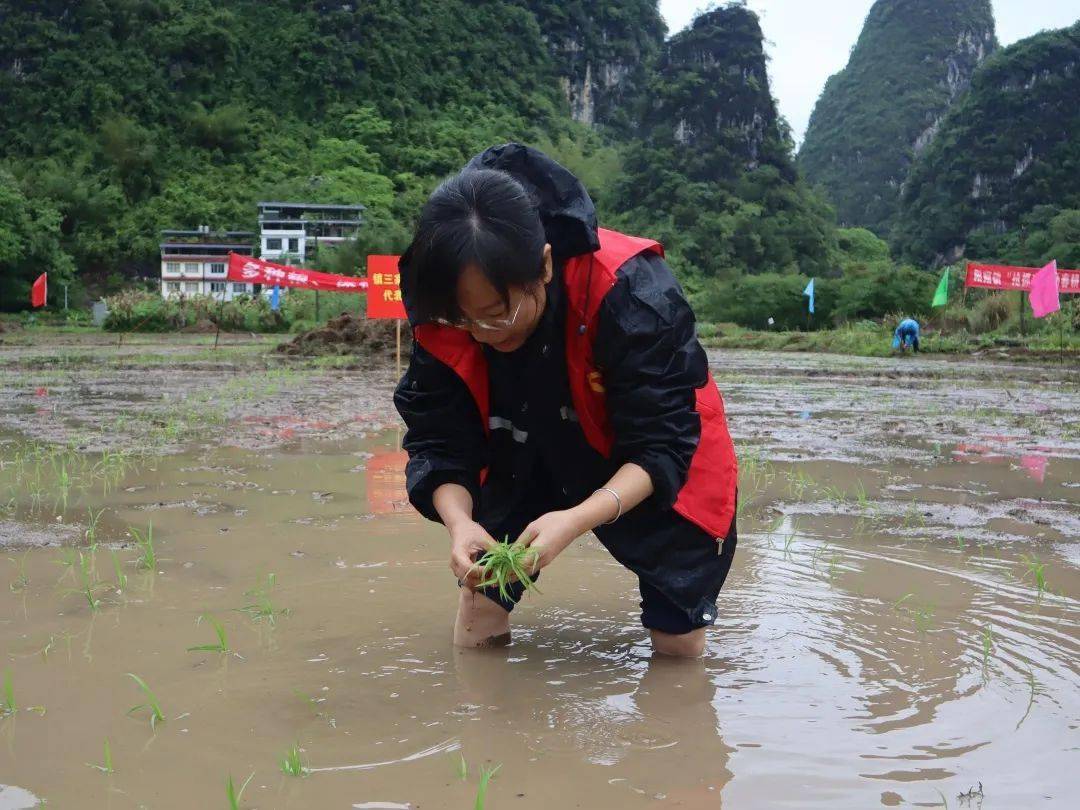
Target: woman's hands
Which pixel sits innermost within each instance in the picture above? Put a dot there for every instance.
(550, 534)
(468, 541)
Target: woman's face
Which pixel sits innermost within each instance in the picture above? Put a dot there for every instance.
(484, 308)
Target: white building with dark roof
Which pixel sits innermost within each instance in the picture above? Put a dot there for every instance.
(196, 263)
(291, 232)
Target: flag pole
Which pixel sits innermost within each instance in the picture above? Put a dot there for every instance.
(221, 306)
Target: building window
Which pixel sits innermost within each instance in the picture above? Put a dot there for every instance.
(191, 268)
(294, 246)
(191, 287)
(172, 267)
(217, 267)
(172, 287)
(239, 287)
(273, 244)
(217, 286)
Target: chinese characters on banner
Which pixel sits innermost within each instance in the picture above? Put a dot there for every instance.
(257, 271)
(384, 292)
(385, 480)
(1002, 277)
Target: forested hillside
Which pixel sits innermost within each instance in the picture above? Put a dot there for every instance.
(914, 59)
(1002, 179)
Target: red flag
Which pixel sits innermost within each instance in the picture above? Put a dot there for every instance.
(37, 292)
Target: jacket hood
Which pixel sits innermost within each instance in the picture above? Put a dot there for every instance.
(566, 209)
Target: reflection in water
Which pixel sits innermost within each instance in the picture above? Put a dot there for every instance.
(649, 721)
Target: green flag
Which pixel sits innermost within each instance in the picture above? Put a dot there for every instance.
(941, 296)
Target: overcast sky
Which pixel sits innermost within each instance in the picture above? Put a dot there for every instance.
(809, 40)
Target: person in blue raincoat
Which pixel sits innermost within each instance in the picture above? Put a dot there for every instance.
(906, 334)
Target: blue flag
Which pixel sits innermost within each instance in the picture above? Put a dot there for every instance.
(275, 298)
(810, 291)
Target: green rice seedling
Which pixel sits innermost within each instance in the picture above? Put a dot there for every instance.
(462, 768)
(92, 519)
(503, 563)
(22, 580)
(798, 482)
(121, 577)
(914, 516)
(924, 617)
(88, 585)
(485, 778)
(223, 643)
(152, 704)
(148, 556)
(836, 494)
(233, 794)
(290, 764)
(861, 497)
(63, 482)
(1036, 569)
(107, 766)
(9, 706)
(261, 607)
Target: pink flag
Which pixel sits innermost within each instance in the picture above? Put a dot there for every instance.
(1044, 291)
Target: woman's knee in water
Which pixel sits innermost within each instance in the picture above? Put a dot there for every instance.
(684, 645)
(481, 622)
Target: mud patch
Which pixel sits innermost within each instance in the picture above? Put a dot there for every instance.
(348, 334)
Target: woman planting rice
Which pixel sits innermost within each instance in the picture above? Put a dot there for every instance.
(556, 386)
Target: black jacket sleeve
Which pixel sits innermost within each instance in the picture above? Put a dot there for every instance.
(647, 350)
(444, 438)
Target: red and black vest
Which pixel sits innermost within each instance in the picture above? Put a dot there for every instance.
(708, 497)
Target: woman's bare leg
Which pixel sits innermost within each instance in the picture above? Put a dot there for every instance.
(481, 622)
(686, 645)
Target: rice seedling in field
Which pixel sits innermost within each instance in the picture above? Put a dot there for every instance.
(503, 563)
(107, 765)
(924, 617)
(798, 482)
(88, 585)
(91, 527)
(121, 577)
(222, 645)
(1037, 570)
(261, 606)
(9, 706)
(148, 557)
(914, 516)
(22, 580)
(290, 764)
(233, 794)
(485, 779)
(861, 497)
(462, 768)
(63, 482)
(152, 704)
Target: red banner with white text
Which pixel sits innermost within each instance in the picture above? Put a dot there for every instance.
(1004, 277)
(257, 271)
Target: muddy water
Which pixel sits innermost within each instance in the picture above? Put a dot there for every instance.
(882, 641)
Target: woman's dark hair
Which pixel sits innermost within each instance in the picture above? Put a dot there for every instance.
(479, 217)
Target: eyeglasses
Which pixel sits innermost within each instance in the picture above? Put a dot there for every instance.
(490, 325)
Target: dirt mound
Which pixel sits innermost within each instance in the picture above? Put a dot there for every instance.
(347, 334)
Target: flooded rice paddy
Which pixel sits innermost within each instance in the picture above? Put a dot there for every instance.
(901, 624)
